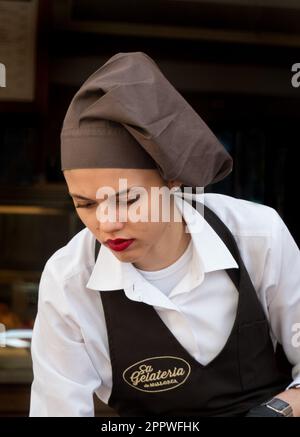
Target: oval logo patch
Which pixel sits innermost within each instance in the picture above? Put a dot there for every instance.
(157, 374)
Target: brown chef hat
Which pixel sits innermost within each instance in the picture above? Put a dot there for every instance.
(128, 115)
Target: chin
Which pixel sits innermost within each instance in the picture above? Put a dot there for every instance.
(128, 257)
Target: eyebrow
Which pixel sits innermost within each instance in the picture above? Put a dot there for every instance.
(79, 196)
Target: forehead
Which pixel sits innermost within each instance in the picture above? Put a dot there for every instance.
(88, 181)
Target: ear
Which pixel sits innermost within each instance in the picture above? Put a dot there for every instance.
(174, 183)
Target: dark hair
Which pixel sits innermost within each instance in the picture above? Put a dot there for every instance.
(191, 189)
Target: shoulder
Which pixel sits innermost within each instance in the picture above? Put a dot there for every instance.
(257, 229)
(75, 257)
(66, 273)
(243, 217)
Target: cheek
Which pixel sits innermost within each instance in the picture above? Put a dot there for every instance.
(89, 219)
(149, 211)
(152, 232)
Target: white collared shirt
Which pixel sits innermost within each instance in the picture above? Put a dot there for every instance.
(70, 346)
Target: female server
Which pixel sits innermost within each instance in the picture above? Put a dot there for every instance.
(167, 302)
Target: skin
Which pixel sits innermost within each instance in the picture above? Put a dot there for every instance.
(292, 397)
(157, 244)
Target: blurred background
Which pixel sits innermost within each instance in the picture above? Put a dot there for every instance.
(233, 62)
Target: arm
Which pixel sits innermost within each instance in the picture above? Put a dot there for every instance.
(292, 397)
(284, 306)
(64, 377)
(281, 287)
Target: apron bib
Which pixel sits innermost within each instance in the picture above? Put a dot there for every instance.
(153, 374)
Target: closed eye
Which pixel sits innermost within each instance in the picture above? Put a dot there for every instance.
(89, 205)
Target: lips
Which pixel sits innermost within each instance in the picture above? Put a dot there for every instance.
(119, 244)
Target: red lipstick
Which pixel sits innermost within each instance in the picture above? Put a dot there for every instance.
(119, 244)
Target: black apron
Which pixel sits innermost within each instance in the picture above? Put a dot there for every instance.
(153, 374)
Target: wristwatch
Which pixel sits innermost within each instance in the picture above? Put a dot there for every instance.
(279, 406)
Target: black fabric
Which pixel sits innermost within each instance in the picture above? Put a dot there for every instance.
(245, 373)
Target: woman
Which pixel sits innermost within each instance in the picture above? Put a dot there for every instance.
(166, 303)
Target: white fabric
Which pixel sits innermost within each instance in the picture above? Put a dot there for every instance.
(70, 347)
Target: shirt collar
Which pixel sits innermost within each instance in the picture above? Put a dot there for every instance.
(210, 254)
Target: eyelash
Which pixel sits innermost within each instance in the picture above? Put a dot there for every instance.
(89, 205)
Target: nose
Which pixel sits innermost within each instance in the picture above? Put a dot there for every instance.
(110, 220)
(110, 226)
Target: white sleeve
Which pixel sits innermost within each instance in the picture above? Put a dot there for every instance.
(284, 293)
(64, 376)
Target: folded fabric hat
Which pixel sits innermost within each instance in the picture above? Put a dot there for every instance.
(128, 115)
